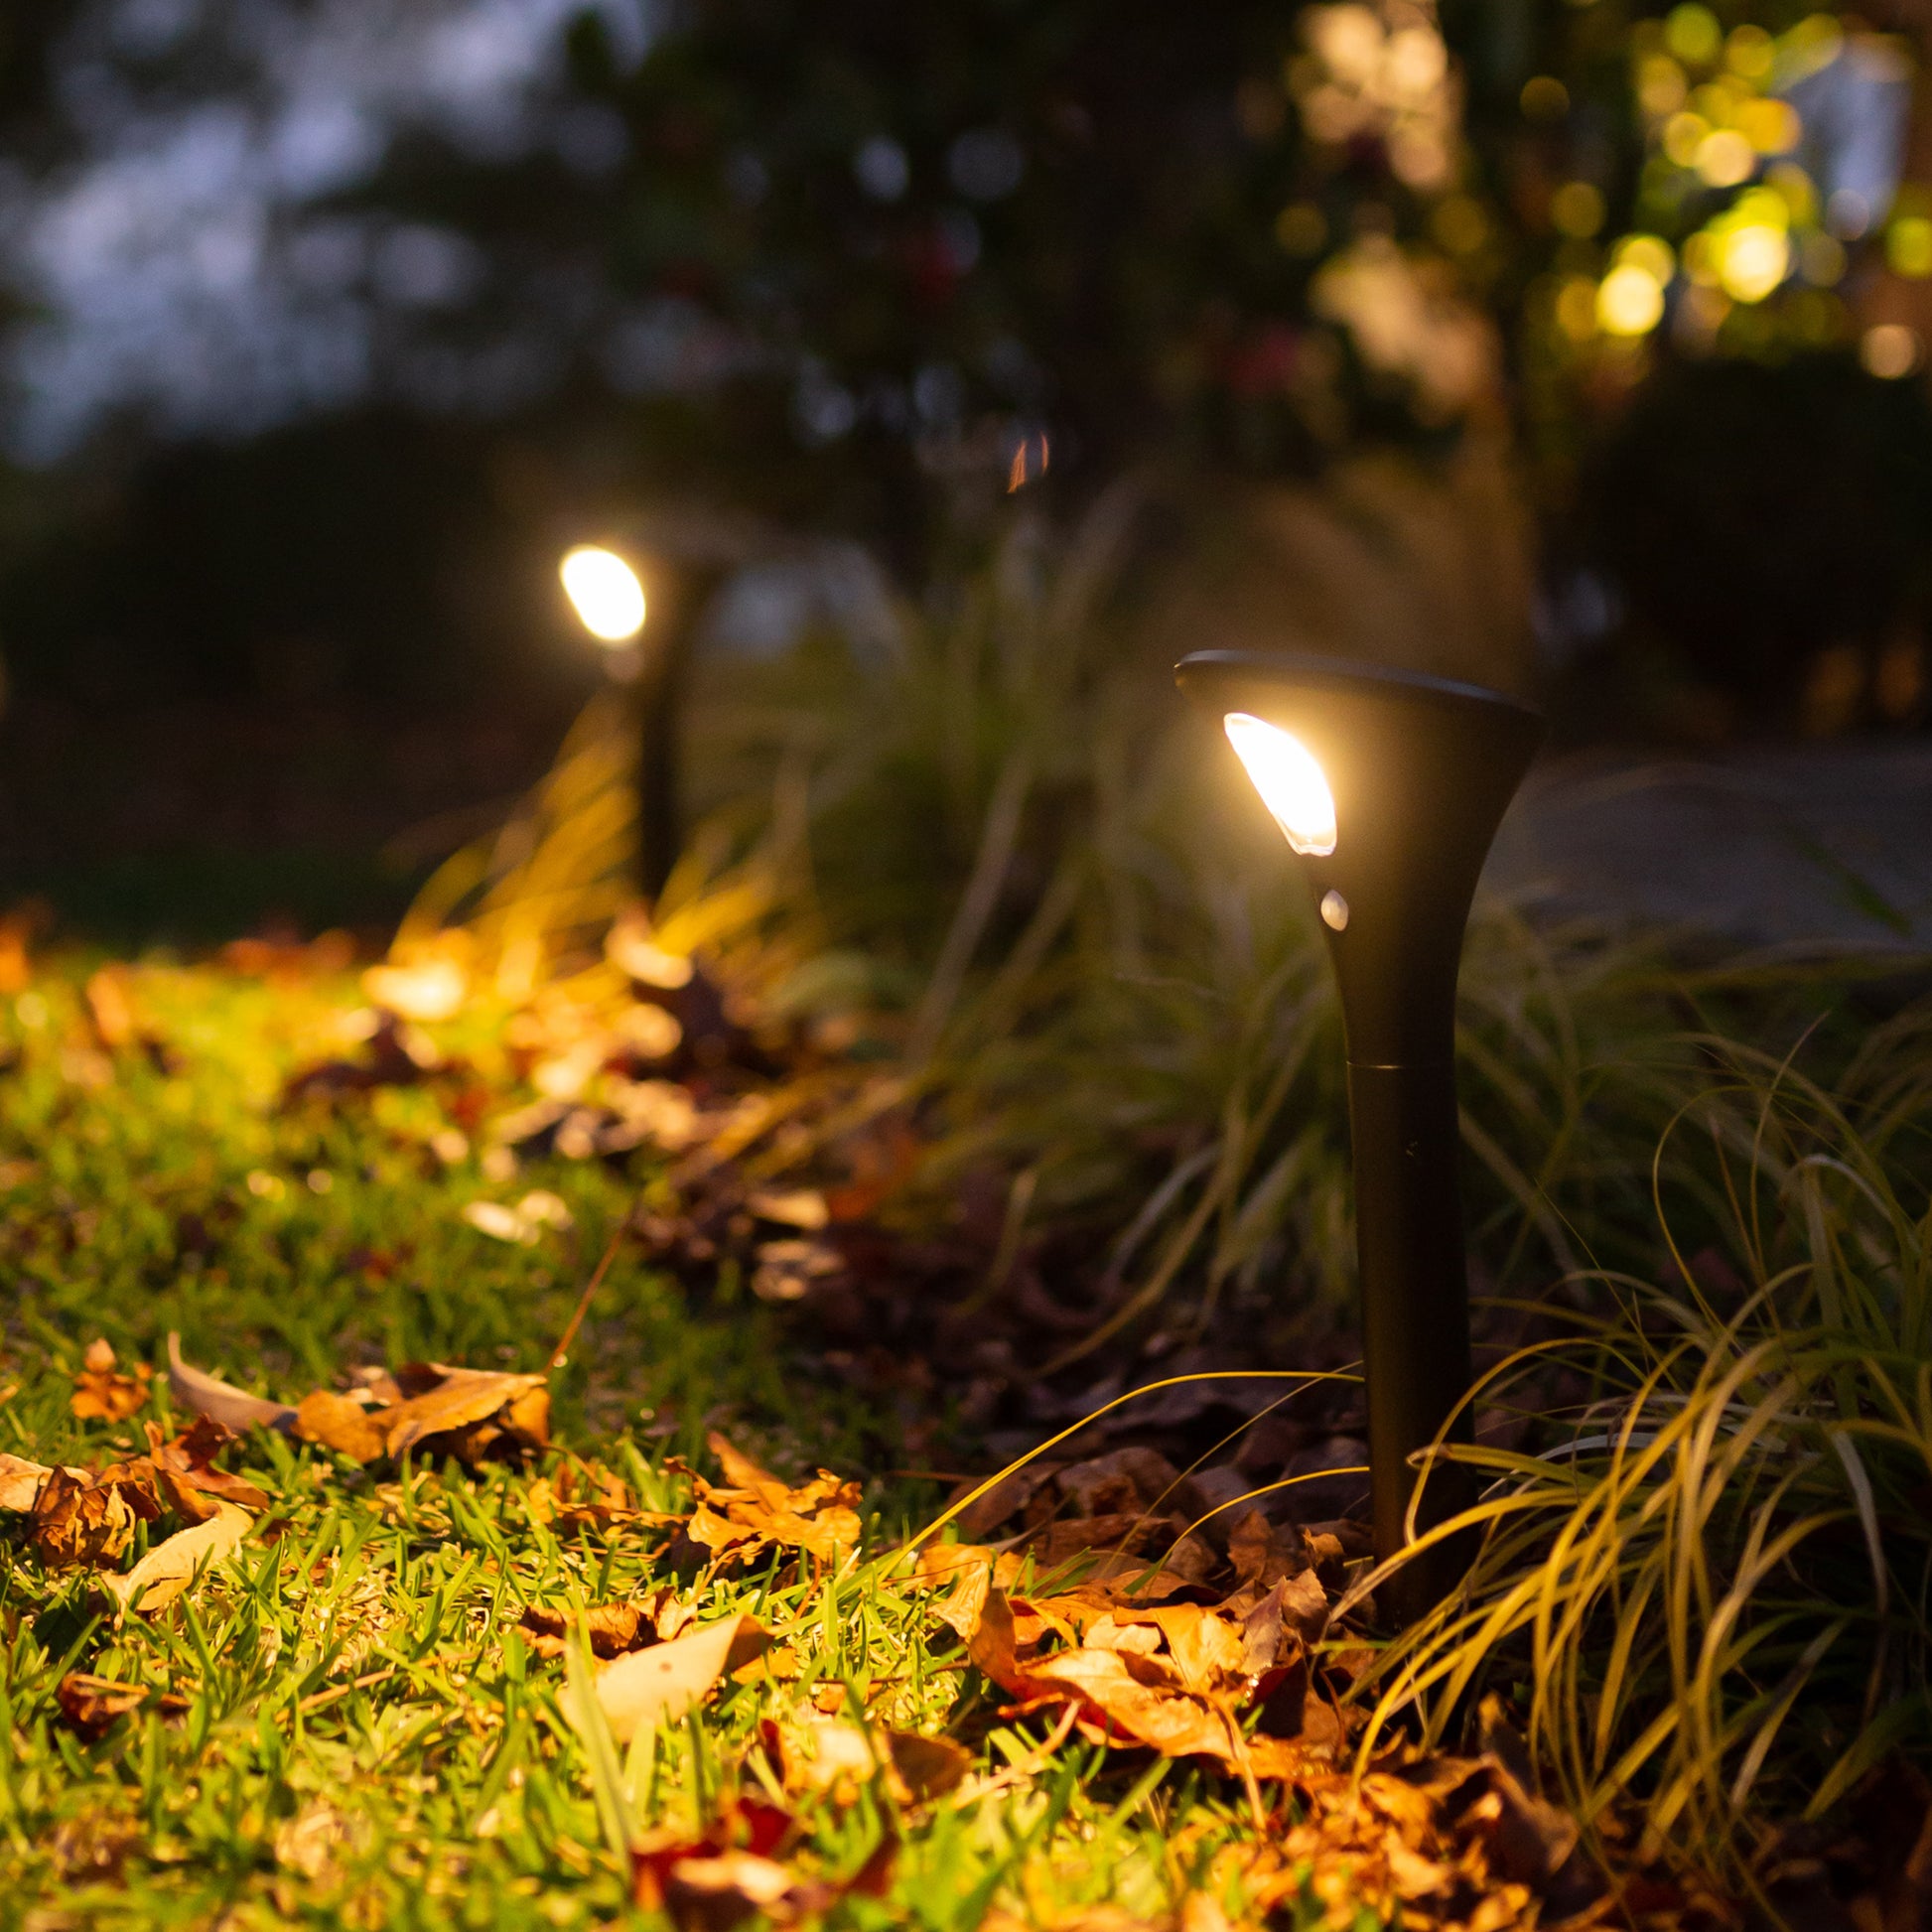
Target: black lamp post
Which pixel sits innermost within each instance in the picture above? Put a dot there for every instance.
(609, 600)
(1390, 787)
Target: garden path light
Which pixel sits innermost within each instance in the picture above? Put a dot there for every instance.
(1389, 788)
(612, 602)
(605, 593)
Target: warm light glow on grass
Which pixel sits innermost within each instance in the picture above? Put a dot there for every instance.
(605, 592)
(1291, 782)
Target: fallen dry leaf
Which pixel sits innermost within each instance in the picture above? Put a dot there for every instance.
(665, 1681)
(101, 1392)
(79, 1522)
(712, 1894)
(223, 1402)
(838, 1758)
(93, 1705)
(20, 1482)
(751, 1510)
(426, 1406)
(171, 1566)
(340, 1423)
(464, 1397)
(613, 1628)
(748, 1827)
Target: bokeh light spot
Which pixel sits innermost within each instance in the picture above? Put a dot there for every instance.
(605, 593)
(1577, 208)
(1630, 302)
(1544, 98)
(1726, 158)
(1693, 34)
(1756, 257)
(1908, 246)
(1890, 350)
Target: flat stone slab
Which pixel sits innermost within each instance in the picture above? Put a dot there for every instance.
(1802, 849)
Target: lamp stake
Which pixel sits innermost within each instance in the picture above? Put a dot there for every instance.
(1390, 787)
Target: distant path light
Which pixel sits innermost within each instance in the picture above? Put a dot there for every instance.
(1291, 782)
(604, 590)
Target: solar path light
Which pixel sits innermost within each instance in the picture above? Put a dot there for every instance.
(609, 599)
(1388, 786)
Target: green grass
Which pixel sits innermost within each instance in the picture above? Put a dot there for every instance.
(367, 1742)
(1057, 928)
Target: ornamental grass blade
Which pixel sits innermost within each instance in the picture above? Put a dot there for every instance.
(585, 1710)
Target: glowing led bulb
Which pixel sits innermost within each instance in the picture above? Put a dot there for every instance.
(1289, 779)
(606, 591)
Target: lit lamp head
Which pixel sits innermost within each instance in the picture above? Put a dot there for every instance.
(606, 594)
(1389, 788)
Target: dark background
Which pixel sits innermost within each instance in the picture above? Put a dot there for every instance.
(272, 650)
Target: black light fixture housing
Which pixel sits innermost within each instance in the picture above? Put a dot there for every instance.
(661, 682)
(1390, 787)
(609, 599)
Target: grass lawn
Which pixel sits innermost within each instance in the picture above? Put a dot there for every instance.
(348, 1719)
(426, 1685)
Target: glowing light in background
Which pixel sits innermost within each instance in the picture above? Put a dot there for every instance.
(1756, 260)
(1291, 782)
(1725, 159)
(1890, 350)
(605, 593)
(1630, 302)
(1908, 246)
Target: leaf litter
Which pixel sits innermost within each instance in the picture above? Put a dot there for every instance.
(1128, 1608)
(1082, 1624)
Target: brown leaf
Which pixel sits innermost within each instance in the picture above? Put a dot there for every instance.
(91, 1704)
(746, 1826)
(668, 1679)
(180, 1492)
(1304, 1605)
(971, 1569)
(927, 1768)
(462, 1396)
(20, 1482)
(1208, 1652)
(1128, 1531)
(1262, 1554)
(526, 1418)
(1174, 1725)
(101, 1392)
(1130, 1481)
(754, 1509)
(77, 1521)
(336, 1422)
(613, 1628)
(110, 1007)
(1008, 1497)
(207, 1395)
(167, 1570)
(192, 1455)
(714, 1894)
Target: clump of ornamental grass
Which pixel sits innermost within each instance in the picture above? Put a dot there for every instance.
(1704, 1583)
(994, 833)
